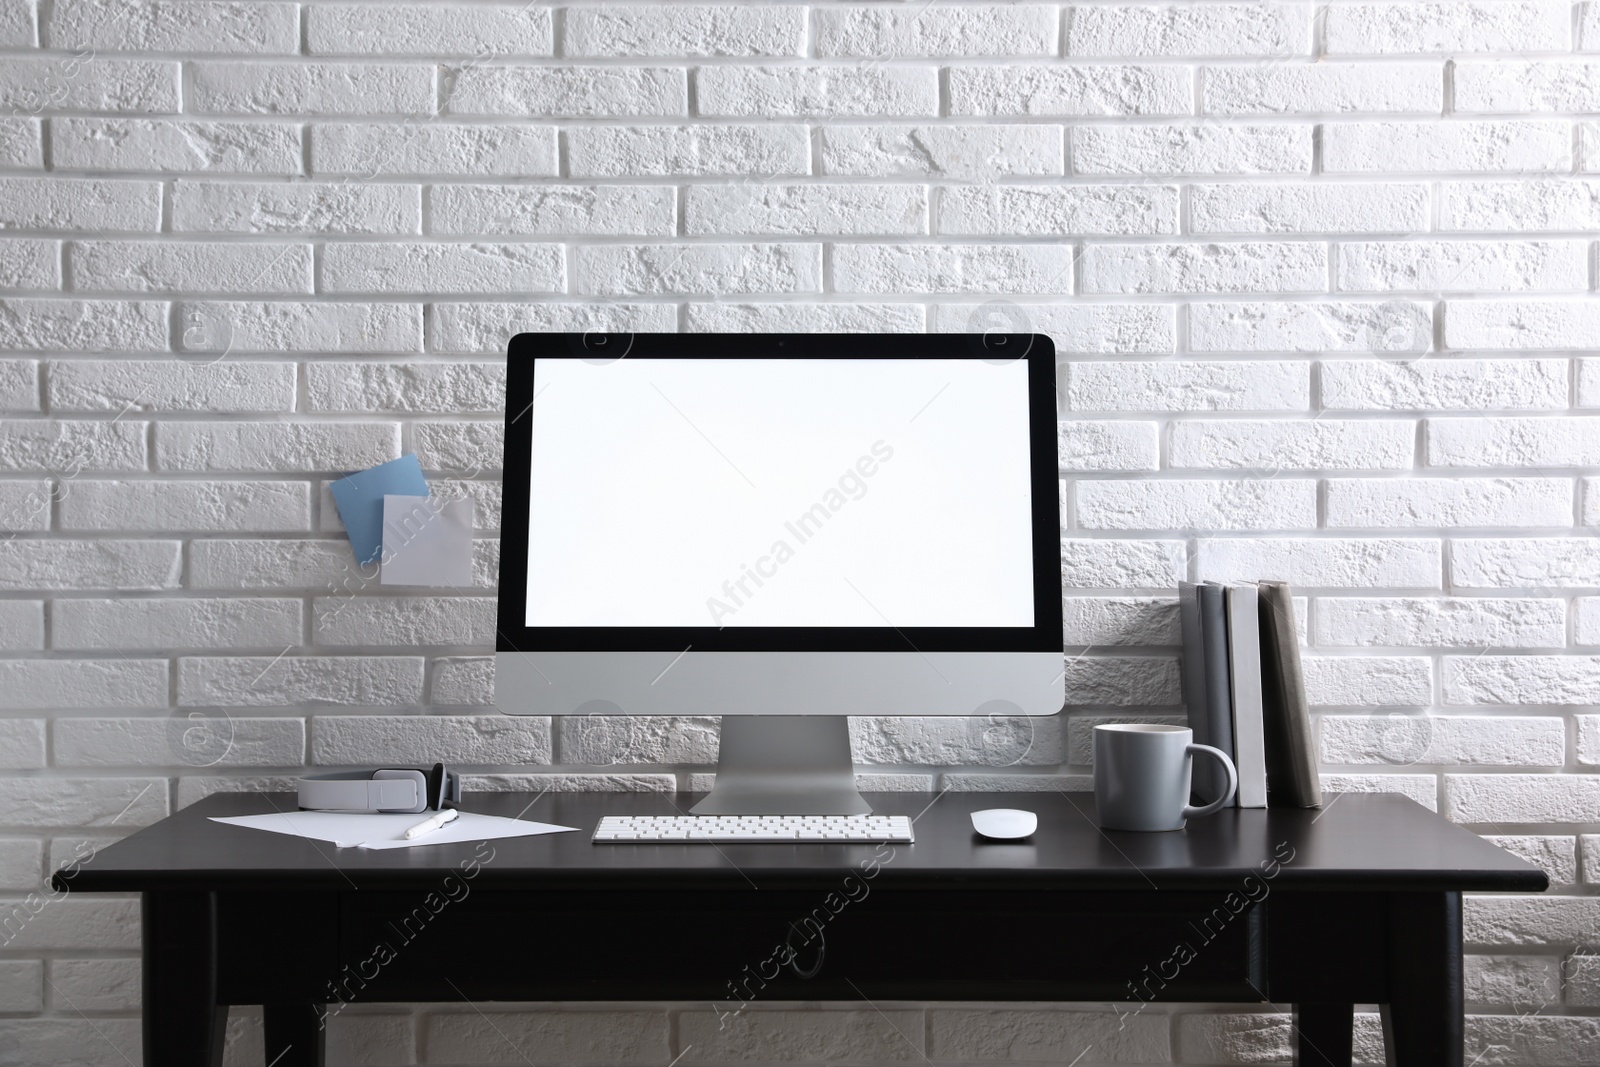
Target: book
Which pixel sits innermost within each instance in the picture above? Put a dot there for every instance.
(1244, 673)
(1218, 686)
(1194, 683)
(1291, 753)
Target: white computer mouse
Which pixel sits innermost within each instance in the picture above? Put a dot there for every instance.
(1004, 824)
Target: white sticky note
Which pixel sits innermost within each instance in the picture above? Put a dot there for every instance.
(427, 541)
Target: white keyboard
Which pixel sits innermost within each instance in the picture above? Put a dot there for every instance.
(752, 829)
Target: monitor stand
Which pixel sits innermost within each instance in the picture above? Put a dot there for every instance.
(784, 765)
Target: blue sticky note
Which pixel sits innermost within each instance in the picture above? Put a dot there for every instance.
(360, 500)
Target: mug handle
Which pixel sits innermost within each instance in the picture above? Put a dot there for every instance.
(1190, 811)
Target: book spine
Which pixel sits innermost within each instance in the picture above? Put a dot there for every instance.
(1218, 696)
(1194, 659)
(1194, 684)
(1244, 662)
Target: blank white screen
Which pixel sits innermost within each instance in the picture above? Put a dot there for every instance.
(821, 492)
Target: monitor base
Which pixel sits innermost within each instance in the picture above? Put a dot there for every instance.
(784, 765)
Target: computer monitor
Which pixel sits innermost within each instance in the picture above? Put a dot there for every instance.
(782, 530)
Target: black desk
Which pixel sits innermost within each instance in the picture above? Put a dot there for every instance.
(1359, 903)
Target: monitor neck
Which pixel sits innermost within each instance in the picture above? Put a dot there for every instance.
(784, 765)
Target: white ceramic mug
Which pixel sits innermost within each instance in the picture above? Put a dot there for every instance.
(1141, 776)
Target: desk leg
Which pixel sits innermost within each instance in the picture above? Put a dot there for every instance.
(183, 1023)
(1323, 1034)
(294, 1034)
(1423, 1023)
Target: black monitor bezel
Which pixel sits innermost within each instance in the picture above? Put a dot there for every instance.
(1045, 635)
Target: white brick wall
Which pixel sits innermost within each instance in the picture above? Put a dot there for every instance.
(1321, 277)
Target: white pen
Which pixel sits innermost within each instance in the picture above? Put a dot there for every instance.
(428, 826)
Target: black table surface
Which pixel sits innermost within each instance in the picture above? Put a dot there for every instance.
(1356, 841)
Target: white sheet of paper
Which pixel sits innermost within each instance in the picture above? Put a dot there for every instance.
(426, 541)
(353, 830)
